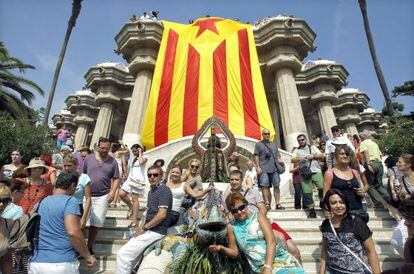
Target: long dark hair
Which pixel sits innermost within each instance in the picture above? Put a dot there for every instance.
(331, 192)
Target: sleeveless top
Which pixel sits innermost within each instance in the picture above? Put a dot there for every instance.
(251, 242)
(178, 195)
(347, 188)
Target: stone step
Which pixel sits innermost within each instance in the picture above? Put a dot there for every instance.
(108, 233)
(310, 263)
(307, 246)
(298, 213)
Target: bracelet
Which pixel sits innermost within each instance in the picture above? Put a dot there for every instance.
(268, 266)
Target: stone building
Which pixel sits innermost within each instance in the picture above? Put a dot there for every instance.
(303, 97)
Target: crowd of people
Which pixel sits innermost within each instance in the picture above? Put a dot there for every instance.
(71, 188)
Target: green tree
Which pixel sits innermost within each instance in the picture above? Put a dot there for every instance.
(15, 90)
(399, 138)
(30, 139)
(76, 8)
(407, 89)
(377, 66)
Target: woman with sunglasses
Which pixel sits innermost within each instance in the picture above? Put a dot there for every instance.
(251, 233)
(347, 244)
(179, 190)
(192, 178)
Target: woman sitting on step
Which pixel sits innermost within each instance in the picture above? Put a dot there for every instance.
(179, 191)
(251, 233)
(347, 245)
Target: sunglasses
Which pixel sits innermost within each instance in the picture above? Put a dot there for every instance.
(300, 140)
(155, 175)
(194, 166)
(237, 209)
(266, 133)
(5, 200)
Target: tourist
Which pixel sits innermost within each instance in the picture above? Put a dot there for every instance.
(103, 171)
(51, 171)
(250, 175)
(60, 234)
(296, 182)
(144, 16)
(255, 203)
(393, 184)
(159, 204)
(356, 141)
(234, 159)
(81, 156)
(306, 157)
(347, 180)
(160, 163)
(192, 178)
(8, 170)
(37, 188)
(57, 158)
(405, 165)
(61, 136)
(331, 144)
(16, 193)
(407, 211)
(325, 137)
(83, 188)
(135, 183)
(266, 155)
(322, 162)
(154, 15)
(118, 153)
(315, 140)
(355, 247)
(251, 233)
(179, 191)
(371, 158)
(133, 18)
(5, 227)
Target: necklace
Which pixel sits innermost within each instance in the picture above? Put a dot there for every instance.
(37, 193)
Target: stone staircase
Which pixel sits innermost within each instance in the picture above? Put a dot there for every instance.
(305, 232)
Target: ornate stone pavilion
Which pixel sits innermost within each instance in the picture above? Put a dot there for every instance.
(303, 97)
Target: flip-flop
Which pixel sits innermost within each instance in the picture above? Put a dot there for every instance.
(267, 206)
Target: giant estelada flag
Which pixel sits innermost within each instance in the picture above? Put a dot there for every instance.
(208, 68)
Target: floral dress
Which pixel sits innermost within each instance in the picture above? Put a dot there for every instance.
(251, 242)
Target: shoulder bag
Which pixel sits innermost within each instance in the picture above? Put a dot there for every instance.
(367, 270)
(305, 170)
(134, 182)
(280, 167)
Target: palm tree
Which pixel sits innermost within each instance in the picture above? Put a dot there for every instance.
(377, 66)
(76, 8)
(14, 89)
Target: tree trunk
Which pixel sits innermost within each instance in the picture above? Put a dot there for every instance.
(377, 66)
(76, 8)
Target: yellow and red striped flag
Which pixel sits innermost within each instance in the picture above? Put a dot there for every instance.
(208, 68)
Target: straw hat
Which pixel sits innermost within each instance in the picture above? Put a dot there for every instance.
(36, 162)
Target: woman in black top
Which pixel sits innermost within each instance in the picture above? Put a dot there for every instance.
(352, 232)
(344, 178)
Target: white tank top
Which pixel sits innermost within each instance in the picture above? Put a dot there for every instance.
(178, 195)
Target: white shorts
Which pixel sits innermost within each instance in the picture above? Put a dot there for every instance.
(98, 210)
(55, 268)
(128, 189)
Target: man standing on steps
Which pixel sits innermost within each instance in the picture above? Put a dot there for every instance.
(307, 157)
(103, 171)
(156, 223)
(266, 153)
(60, 234)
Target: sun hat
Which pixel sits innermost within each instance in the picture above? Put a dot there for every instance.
(64, 147)
(36, 162)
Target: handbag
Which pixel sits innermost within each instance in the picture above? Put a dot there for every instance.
(280, 167)
(135, 183)
(367, 270)
(305, 170)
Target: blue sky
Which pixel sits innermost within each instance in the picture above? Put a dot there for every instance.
(33, 31)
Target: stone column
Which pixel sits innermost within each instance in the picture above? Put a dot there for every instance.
(274, 112)
(81, 135)
(103, 122)
(351, 128)
(326, 116)
(293, 122)
(137, 108)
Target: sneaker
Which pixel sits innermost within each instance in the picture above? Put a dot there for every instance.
(312, 214)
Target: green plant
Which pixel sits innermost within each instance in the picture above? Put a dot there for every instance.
(30, 139)
(199, 260)
(400, 136)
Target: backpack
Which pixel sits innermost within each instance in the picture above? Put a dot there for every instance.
(24, 236)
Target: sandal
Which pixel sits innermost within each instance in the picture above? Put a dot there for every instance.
(280, 207)
(267, 206)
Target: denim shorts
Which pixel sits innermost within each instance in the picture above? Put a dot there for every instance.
(267, 179)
